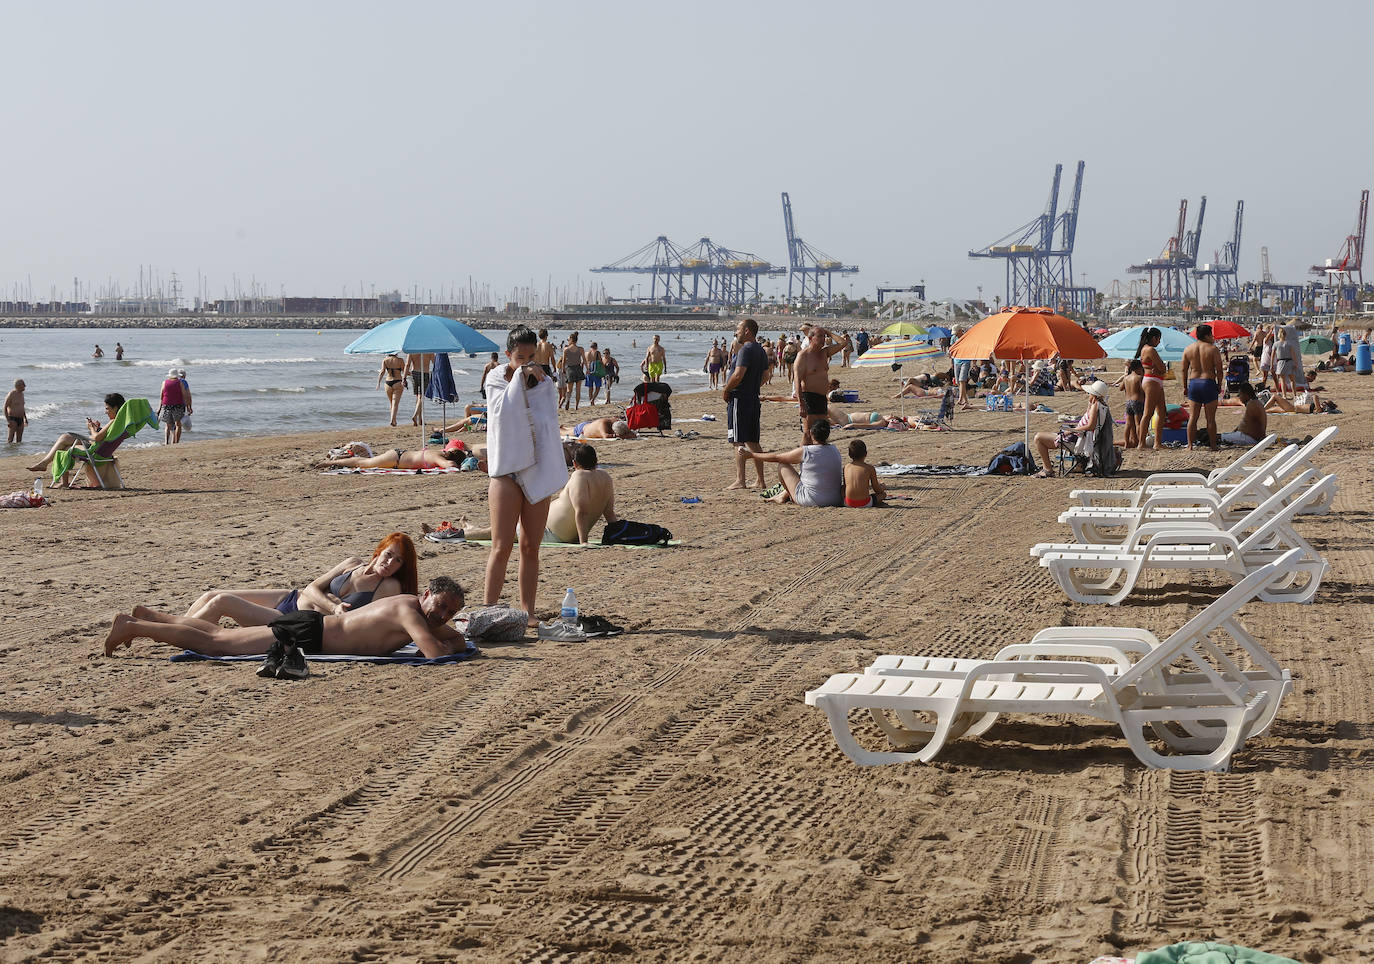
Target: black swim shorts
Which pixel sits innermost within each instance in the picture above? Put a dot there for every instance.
(813, 403)
(303, 629)
(419, 382)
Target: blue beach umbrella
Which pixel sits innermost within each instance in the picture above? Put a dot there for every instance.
(421, 334)
(937, 331)
(1124, 342)
(415, 334)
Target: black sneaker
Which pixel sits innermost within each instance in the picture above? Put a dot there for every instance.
(293, 665)
(275, 655)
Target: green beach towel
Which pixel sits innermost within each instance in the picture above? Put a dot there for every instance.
(1208, 952)
(132, 416)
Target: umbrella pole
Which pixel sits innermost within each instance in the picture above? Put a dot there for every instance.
(1030, 459)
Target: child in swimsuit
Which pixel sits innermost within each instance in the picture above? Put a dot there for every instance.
(1132, 384)
(862, 490)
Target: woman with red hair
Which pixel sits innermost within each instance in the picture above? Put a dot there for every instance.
(391, 570)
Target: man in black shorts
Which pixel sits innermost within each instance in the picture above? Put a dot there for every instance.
(418, 367)
(379, 628)
(812, 375)
(741, 394)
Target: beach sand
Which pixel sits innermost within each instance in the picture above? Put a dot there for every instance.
(665, 794)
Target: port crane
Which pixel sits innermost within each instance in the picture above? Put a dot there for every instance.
(807, 265)
(703, 274)
(1222, 284)
(1345, 272)
(1039, 254)
(1171, 274)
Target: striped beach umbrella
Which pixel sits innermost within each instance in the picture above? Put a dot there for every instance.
(896, 353)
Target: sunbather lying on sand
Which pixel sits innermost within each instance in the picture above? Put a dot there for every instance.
(605, 427)
(401, 459)
(375, 630)
(351, 584)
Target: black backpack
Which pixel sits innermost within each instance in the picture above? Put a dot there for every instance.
(627, 533)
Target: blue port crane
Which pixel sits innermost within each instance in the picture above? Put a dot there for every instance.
(1039, 254)
(1171, 274)
(1221, 276)
(807, 265)
(703, 274)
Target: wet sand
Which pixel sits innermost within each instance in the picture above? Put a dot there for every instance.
(665, 794)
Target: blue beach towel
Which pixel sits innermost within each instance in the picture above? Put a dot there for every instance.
(408, 655)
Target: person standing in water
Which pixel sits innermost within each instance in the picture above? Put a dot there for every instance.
(393, 373)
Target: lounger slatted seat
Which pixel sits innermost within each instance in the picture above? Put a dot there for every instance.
(1208, 709)
(1177, 545)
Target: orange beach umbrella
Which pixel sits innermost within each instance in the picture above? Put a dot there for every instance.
(1022, 333)
(1019, 334)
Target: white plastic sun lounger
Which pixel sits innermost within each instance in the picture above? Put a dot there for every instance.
(1216, 708)
(1259, 480)
(1100, 525)
(1121, 648)
(1198, 545)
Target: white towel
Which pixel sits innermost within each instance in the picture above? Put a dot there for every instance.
(522, 434)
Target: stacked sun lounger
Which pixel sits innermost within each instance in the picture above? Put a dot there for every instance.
(1190, 692)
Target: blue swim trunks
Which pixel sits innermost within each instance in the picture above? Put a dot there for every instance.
(1203, 391)
(594, 381)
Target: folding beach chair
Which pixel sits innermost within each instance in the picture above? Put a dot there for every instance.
(97, 460)
(944, 415)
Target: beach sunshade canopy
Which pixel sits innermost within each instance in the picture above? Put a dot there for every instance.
(1123, 344)
(1224, 329)
(1100, 331)
(1016, 333)
(1022, 333)
(896, 353)
(938, 331)
(904, 328)
(1317, 345)
(415, 334)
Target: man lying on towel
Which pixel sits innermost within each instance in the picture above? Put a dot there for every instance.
(377, 629)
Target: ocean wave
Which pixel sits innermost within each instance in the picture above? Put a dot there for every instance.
(56, 365)
(207, 362)
(280, 391)
(42, 411)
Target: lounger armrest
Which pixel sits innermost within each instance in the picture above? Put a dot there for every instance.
(1157, 479)
(1213, 538)
(1246, 457)
(1180, 495)
(1123, 637)
(1106, 498)
(1172, 532)
(1033, 670)
(1033, 651)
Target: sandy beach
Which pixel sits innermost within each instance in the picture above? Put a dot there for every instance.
(663, 795)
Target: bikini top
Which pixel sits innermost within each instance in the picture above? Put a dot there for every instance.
(354, 599)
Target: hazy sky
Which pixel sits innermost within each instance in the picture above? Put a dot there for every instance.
(317, 146)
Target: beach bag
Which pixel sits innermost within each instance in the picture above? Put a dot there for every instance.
(1012, 460)
(627, 533)
(498, 624)
(642, 417)
(21, 500)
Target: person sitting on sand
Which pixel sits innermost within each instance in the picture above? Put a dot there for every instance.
(1254, 422)
(399, 458)
(375, 630)
(817, 480)
(588, 497)
(862, 490)
(1086, 425)
(95, 436)
(353, 583)
(608, 426)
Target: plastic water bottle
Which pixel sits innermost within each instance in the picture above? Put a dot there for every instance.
(38, 487)
(569, 610)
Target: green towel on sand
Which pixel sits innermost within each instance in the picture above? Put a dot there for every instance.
(1207, 952)
(132, 416)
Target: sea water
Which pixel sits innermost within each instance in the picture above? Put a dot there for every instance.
(265, 381)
